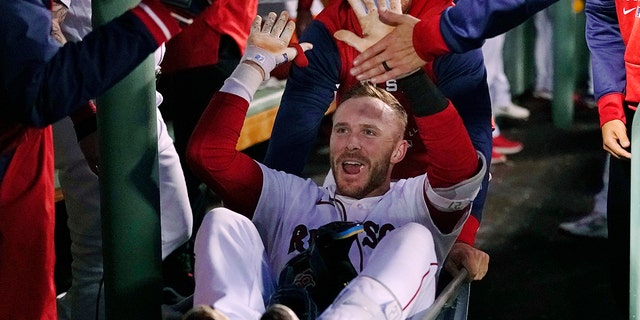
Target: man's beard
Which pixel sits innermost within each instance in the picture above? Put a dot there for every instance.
(377, 177)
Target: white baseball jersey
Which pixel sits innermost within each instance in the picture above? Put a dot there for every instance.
(291, 209)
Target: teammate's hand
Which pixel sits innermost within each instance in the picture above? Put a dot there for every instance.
(474, 260)
(386, 47)
(615, 139)
(372, 28)
(395, 49)
(56, 32)
(267, 45)
(58, 14)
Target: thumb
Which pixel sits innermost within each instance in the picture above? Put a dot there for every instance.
(295, 53)
(624, 141)
(351, 39)
(306, 46)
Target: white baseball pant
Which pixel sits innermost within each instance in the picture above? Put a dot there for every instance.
(233, 275)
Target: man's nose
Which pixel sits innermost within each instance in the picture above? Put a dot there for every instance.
(353, 142)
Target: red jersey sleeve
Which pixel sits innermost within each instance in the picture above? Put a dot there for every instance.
(213, 157)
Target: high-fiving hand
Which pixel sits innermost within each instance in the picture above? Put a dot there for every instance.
(268, 43)
(387, 50)
(372, 28)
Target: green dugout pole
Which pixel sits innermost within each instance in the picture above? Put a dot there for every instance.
(564, 63)
(130, 201)
(634, 223)
(518, 56)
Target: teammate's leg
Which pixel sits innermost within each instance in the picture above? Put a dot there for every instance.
(175, 215)
(82, 202)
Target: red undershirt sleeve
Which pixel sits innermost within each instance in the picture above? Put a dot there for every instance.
(435, 46)
(451, 155)
(213, 157)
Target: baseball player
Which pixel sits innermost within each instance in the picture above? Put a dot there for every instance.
(401, 230)
(311, 90)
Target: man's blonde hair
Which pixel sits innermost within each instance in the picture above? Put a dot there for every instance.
(366, 89)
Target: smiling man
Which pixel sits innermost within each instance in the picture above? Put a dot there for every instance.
(289, 238)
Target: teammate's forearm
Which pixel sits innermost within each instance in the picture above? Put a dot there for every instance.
(469, 23)
(301, 108)
(59, 80)
(423, 95)
(84, 120)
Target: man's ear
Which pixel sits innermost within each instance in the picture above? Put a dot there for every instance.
(399, 151)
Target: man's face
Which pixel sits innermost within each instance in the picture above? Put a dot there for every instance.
(366, 140)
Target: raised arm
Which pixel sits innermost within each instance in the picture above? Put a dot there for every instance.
(455, 170)
(211, 152)
(43, 82)
(459, 28)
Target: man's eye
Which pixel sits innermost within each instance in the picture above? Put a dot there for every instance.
(369, 132)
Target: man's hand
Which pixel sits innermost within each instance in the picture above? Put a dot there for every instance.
(395, 49)
(474, 260)
(58, 14)
(267, 45)
(56, 32)
(615, 139)
(372, 28)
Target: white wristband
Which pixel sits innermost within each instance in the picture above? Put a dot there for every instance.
(265, 59)
(243, 82)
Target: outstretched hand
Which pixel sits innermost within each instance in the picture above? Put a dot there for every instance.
(396, 50)
(268, 43)
(386, 47)
(372, 28)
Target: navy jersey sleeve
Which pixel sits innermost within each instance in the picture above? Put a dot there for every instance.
(307, 96)
(606, 47)
(42, 82)
(466, 25)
